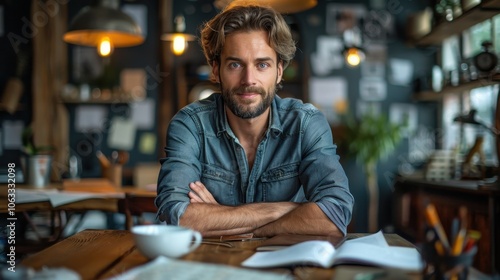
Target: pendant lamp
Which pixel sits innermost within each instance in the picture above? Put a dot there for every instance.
(105, 26)
(281, 6)
(178, 38)
(353, 52)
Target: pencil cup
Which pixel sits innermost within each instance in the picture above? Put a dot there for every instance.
(444, 267)
(114, 174)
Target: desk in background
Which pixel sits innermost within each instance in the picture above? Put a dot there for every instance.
(82, 196)
(411, 196)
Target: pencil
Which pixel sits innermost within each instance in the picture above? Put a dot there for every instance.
(439, 248)
(458, 243)
(102, 159)
(433, 221)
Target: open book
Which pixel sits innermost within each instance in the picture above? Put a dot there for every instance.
(371, 250)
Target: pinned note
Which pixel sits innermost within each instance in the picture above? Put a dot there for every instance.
(12, 134)
(90, 118)
(147, 143)
(330, 96)
(121, 134)
(143, 113)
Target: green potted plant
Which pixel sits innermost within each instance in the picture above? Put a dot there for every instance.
(369, 139)
(37, 160)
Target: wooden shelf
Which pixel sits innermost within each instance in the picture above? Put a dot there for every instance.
(20, 107)
(486, 10)
(116, 97)
(436, 96)
(99, 101)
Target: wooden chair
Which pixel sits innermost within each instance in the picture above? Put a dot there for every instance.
(134, 205)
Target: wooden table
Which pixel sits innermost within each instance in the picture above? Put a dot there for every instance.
(100, 254)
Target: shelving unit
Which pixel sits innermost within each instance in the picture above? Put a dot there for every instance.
(98, 101)
(116, 97)
(487, 9)
(477, 14)
(20, 107)
(437, 96)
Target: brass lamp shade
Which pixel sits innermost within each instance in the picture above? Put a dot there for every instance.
(281, 6)
(103, 19)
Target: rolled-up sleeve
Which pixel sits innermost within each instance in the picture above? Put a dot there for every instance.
(323, 177)
(180, 167)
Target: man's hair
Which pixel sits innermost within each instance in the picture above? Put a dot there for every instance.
(247, 18)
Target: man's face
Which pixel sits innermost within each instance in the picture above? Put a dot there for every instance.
(248, 73)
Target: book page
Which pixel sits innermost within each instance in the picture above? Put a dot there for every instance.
(367, 254)
(372, 250)
(315, 253)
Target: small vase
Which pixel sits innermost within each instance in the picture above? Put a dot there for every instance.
(37, 170)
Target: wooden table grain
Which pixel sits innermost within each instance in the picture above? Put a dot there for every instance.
(100, 254)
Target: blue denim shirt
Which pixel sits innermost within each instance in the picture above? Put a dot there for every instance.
(295, 161)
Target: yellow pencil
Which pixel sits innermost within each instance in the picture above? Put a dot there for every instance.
(433, 221)
(103, 159)
(458, 243)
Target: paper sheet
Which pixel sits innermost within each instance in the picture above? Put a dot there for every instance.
(133, 82)
(143, 113)
(147, 144)
(400, 112)
(401, 72)
(372, 89)
(90, 118)
(373, 68)
(121, 134)
(13, 131)
(330, 96)
(328, 55)
(158, 268)
(363, 108)
(58, 198)
(140, 15)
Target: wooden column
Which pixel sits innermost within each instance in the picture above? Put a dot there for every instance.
(50, 117)
(167, 95)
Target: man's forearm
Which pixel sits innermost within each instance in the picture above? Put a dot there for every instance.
(308, 218)
(216, 220)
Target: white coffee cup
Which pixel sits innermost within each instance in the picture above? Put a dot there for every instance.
(165, 240)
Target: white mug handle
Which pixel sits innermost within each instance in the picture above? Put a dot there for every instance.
(196, 242)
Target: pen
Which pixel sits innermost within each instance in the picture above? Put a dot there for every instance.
(433, 220)
(455, 227)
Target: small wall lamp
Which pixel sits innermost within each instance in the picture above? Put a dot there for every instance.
(354, 56)
(353, 53)
(104, 26)
(178, 38)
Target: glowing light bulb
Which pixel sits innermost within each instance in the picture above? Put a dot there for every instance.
(105, 47)
(354, 56)
(179, 44)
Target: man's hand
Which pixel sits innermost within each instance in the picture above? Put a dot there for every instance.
(200, 194)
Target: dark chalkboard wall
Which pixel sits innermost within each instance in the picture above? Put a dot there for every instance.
(310, 24)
